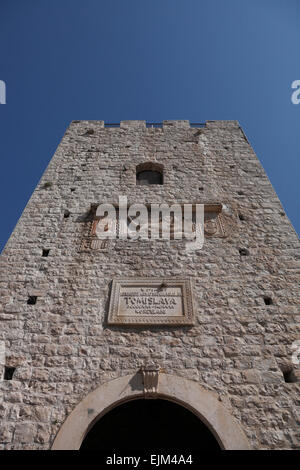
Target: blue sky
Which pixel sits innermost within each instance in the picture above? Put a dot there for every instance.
(152, 60)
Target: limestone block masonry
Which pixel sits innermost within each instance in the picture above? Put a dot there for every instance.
(56, 284)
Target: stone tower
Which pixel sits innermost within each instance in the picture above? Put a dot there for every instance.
(72, 349)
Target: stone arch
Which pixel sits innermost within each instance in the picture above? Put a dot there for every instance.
(185, 392)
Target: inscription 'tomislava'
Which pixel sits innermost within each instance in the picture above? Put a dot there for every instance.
(156, 301)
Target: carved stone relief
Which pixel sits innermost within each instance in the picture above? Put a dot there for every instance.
(216, 225)
(150, 373)
(149, 301)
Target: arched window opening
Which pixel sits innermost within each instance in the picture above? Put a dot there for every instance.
(149, 173)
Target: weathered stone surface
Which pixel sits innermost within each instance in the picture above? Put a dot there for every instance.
(62, 347)
(24, 433)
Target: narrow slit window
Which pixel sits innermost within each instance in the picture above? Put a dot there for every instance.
(268, 301)
(9, 372)
(289, 375)
(32, 300)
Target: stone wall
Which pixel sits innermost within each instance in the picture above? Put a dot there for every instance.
(62, 347)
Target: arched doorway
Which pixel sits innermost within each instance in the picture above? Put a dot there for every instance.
(150, 424)
(186, 393)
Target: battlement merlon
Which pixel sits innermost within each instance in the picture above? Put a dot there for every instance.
(141, 124)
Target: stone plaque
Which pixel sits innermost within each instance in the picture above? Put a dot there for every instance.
(151, 301)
